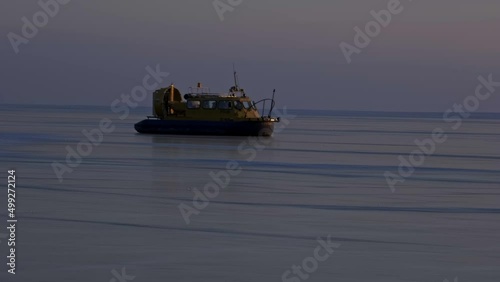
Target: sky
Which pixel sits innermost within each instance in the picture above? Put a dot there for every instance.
(90, 52)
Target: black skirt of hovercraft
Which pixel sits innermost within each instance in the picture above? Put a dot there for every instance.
(190, 127)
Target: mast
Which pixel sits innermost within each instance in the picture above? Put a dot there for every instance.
(235, 74)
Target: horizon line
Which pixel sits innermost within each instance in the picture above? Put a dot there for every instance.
(294, 109)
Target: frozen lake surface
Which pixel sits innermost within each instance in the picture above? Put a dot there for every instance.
(321, 175)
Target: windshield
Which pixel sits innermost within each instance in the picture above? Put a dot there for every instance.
(248, 105)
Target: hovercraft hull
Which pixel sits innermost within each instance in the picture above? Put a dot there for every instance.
(189, 127)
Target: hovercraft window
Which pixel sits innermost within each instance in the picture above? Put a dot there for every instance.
(211, 104)
(225, 105)
(238, 105)
(193, 104)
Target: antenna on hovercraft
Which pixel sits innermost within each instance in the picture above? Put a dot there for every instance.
(235, 74)
(236, 87)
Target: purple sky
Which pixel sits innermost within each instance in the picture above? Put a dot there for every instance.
(427, 59)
